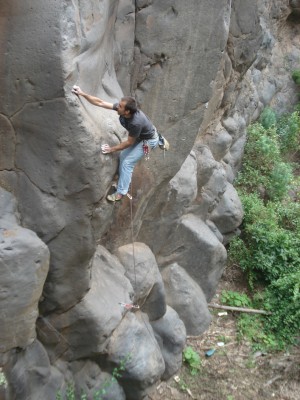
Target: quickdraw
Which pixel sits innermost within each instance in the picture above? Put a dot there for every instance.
(146, 149)
(129, 306)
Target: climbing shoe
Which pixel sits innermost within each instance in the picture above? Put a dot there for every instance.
(114, 197)
(163, 143)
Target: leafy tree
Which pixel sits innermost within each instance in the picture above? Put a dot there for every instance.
(268, 249)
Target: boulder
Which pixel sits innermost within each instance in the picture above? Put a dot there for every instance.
(187, 299)
(84, 329)
(210, 194)
(236, 153)
(30, 374)
(143, 273)
(228, 215)
(24, 264)
(206, 164)
(170, 334)
(219, 143)
(235, 125)
(197, 250)
(89, 379)
(134, 345)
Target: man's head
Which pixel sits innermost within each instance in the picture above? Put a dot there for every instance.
(127, 107)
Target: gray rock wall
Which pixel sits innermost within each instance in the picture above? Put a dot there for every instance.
(87, 287)
(24, 264)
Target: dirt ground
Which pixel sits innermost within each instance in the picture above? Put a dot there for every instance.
(233, 372)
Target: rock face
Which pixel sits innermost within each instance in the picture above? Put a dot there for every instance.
(24, 261)
(171, 341)
(187, 299)
(143, 273)
(111, 295)
(87, 326)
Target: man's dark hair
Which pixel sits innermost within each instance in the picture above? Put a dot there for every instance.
(130, 104)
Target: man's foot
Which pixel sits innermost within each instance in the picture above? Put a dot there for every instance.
(114, 197)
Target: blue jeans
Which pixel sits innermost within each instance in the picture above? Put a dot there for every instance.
(128, 158)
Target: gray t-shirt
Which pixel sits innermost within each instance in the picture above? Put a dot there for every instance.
(139, 125)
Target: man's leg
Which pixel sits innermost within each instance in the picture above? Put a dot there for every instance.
(128, 158)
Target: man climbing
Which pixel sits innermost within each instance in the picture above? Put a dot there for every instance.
(142, 134)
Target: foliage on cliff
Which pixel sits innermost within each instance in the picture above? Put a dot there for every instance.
(268, 249)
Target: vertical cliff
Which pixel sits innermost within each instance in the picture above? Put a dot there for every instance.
(71, 263)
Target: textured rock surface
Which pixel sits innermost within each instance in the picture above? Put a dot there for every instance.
(228, 215)
(170, 334)
(143, 273)
(31, 375)
(196, 247)
(187, 299)
(203, 71)
(24, 263)
(134, 341)
(86, 327)
(89, 379)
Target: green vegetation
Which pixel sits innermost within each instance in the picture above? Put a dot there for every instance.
(192, 358)
(268, 249)
(267, 118)
(193, 364)
(3, 381)
(235, 299)
(183, 385)
(296, 76)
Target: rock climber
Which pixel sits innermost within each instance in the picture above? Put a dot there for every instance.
(141, 133)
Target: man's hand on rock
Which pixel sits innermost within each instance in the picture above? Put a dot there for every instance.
(106, 149)
(76, 90)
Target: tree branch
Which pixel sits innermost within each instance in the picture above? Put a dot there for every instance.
(241, 309)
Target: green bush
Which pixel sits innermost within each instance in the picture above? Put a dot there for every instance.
(268, 248)
(192, 359)
(296, 76)
(235, 299)
(280, 180)
(287, 128)
(267, 118)
(3, 381)
(288, 215)
(255, 209)
(283, 298)
(264, 170)
(251, 326)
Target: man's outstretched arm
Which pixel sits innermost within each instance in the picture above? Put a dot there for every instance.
(92, 99)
